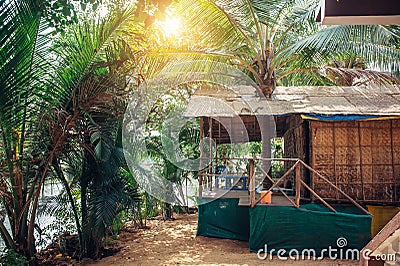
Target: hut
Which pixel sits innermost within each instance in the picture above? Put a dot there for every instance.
(347, 142)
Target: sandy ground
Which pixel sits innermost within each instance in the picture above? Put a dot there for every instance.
(175, 243)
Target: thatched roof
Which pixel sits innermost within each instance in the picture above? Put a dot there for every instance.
(223, 102)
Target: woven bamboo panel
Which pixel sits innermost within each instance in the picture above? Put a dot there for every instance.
(320, 124)
(376, 124)
(397, 174)
(362, 158)
(326, 190)
(345, 189)
(322, 135)
(342, 124)
(355, 191)
(366, 136)
(348, 174)
(396, 154)
(367, 173)
(396, 136)
(382, 154)
(396, 123)
(380, 136)
(369, 191)
(295, 143)
(327, 171)
(384, 192)
(382, 174)
(346, 136)
(347, 155)
(366, 155)
(323, 155)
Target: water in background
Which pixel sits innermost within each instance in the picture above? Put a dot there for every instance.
(43, 220)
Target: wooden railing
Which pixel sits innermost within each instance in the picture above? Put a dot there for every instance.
(296, 168)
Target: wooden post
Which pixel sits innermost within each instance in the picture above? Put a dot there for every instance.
(272, 181)
(298, 184)
(393, 161)
(361, 160)
(209, 179)
(252, 183)
(334, 159)
(279, 180)
(200, 177)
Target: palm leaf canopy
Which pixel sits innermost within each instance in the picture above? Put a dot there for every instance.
(279, 40)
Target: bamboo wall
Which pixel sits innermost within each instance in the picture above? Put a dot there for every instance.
(231, 129)
(295, 144)
(361, 157)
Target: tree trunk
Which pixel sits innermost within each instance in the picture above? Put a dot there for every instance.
(84, 187)
(61, 176)
(167, 214)
(267, 128)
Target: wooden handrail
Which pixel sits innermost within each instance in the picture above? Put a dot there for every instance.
(298, 183)
(333, 185)
(235, 175)
(317, 196)
(277, 182)
(283, 193)
(259, 159)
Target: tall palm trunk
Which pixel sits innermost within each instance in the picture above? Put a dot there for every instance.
(267, 73)
(266, 122)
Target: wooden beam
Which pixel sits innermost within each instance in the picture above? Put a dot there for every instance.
(252, 183)
(298, 184)
(384, 234)
(279, 180)
(361, 160)
(333, 185)
(200, 177)
(283, 193)
(209, 179)
(317, 196)
(334, 158)
(393, 159)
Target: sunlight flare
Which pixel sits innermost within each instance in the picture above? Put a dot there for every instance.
(171, 26)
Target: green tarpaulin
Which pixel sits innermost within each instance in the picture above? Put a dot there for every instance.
(311, 226)
(223, 218)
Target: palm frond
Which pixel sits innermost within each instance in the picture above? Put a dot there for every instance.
(373, 42)
(22, 45)
(91, 47)
(357, 77)
(222, 25)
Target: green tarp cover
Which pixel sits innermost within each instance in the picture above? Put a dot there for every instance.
(223, 218)
(311, 226)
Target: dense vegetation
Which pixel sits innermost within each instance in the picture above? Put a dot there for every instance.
(68, 70)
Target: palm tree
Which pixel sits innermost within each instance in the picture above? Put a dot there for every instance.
(61, 103)
(279, 42)
(90, 77)
(25, 163)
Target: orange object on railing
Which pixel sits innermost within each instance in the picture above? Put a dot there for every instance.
(267, 199)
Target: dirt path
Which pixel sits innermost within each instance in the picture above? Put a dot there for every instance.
(175, 243)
